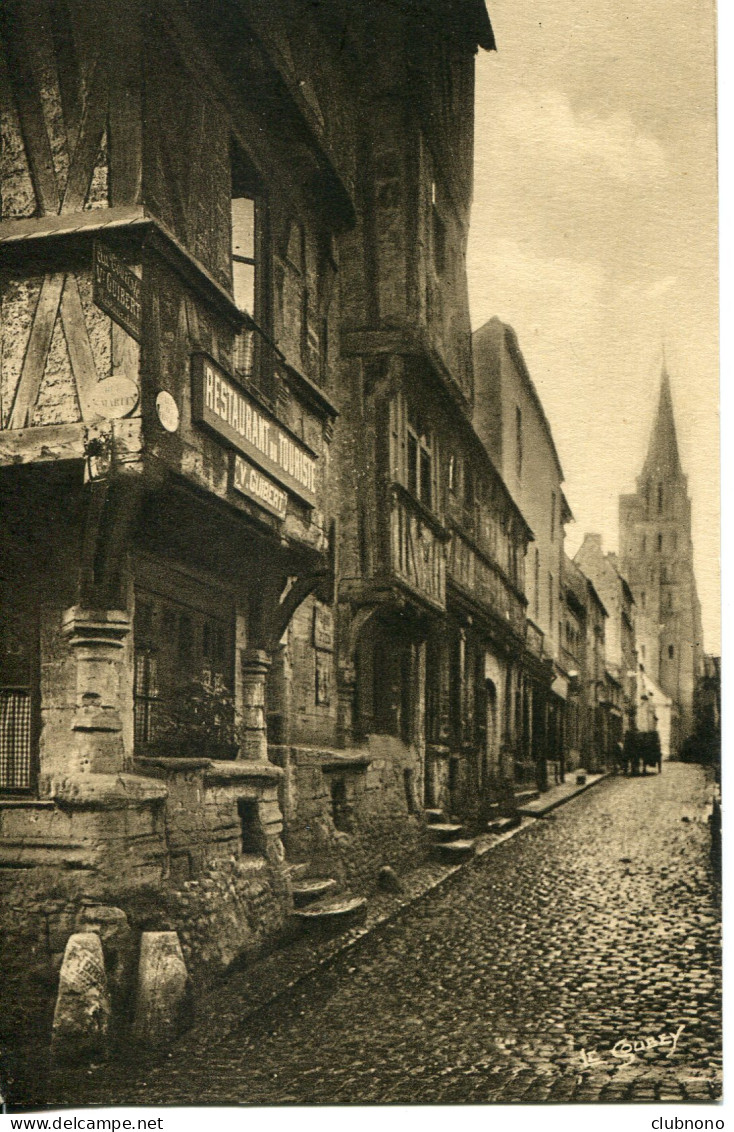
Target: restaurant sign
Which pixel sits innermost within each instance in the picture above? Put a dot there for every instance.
(236, 418)
(249, 481)
(117, 289)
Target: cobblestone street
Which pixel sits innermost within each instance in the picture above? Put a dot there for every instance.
(597, 925)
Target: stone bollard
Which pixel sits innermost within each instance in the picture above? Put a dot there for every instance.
(82, 1016)
(389, 881)
(164, 1007)
(118, 947)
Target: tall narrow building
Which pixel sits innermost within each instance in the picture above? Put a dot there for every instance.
(657, 559)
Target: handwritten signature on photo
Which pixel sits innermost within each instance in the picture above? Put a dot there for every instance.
(626, 1049)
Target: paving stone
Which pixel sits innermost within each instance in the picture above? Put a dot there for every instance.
(483, 991)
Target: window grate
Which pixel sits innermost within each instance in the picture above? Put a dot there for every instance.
(15, 739)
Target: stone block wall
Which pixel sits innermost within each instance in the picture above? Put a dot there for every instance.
(349, 813)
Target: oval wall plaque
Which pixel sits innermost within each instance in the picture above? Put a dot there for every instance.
(115, 397)
(167, 411)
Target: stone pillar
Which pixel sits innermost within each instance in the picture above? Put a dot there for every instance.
(255, 666)
(96, 639)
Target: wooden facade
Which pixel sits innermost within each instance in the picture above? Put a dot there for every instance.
(237, 460)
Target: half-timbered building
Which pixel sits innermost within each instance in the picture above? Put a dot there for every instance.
(261, 586)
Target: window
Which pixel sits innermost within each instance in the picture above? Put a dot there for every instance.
(553, 516)
(671, 652)
(536, 588)
(420, 463)
(439, 241)
(550, 599)
(468, 488)
(644, 544)
(674, 540)
(643, 600)
(642, 651)
(452, 474)
(250, 271)
(18, 678)
(660, 543)
(176, 642)
(518, 441)
(243, 253)
(660, 499)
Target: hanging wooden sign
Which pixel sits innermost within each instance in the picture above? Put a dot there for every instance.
(117, 290)
(258, 487)
(236, 418)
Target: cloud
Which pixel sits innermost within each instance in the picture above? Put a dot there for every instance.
(604, 146)
(507, 276)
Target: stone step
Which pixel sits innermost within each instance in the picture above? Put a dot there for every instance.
(315, 888)
(522, 797)
(502, 825)
(445, 831)
(298, 870)
(336, 914)
(433, 817)
(452, 851)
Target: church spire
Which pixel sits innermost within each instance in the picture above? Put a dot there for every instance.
(663, 461)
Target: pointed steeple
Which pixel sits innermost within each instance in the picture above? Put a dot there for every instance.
(663, 461)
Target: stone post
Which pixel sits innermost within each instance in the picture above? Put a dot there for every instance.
(255, 666)
(96, 639)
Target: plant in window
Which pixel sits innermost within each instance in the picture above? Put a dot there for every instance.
(198, 721)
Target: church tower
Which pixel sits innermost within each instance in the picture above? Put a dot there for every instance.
(657, 560)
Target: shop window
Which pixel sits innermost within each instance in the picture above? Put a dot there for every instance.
(180, 650)
(392, 687)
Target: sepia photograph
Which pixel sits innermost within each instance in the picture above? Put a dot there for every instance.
(360, 634)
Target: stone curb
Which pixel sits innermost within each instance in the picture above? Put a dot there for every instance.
(527, 811)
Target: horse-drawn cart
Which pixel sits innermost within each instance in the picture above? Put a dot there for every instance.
(641, 750)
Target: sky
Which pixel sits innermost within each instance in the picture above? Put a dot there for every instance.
(594, 235)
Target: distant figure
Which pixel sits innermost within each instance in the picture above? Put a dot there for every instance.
(620, 764)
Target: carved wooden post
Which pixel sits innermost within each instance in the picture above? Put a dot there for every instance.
(255, 666)
(97, 639)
